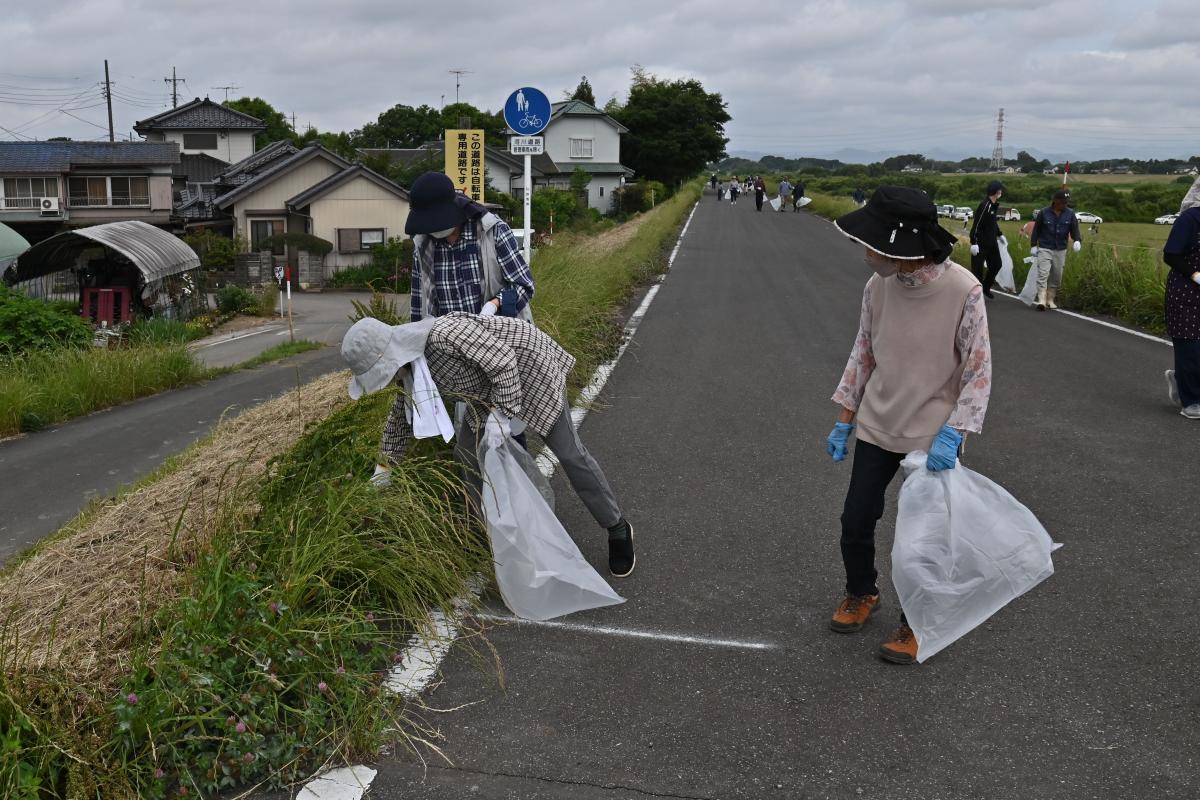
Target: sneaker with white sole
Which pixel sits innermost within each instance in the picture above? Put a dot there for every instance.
(1172, 388)
(621, 559)
(1192, 411)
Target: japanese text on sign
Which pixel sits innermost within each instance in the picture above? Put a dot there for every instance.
(526, 145)
(465, 161)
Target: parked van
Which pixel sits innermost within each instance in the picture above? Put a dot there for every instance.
(945, 211)
(1010, 214)
(963, 213)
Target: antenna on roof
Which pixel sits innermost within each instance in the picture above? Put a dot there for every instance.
(227, 89)
(458, 73)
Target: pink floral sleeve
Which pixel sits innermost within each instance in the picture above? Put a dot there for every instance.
(862, 360)
(974, 345)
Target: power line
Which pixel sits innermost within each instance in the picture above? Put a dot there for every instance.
(81, 119)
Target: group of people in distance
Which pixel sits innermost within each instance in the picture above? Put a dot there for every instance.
(472, 337)
(790, 193)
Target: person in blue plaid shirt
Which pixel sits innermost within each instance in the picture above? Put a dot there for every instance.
(465, 258)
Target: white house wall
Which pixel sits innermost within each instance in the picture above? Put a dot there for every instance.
(500, 175)
(606, 142)
(360, 203)
(275, 194)
(232, 146)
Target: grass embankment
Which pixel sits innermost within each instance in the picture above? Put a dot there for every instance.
(1119, 272)
(230, 623)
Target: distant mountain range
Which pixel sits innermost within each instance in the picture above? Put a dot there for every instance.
(850, 155)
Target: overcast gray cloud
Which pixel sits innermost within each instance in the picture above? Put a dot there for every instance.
(1080, 78)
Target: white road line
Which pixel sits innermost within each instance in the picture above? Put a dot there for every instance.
(630, 633)
(423, 655)
(1086, 318)
(235, 338)
(343, 783)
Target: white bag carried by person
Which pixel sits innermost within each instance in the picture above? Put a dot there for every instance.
(964, 549)
(776, 203)
(1029, 290)
(805, 200)
(1005, 279)
(540, 571)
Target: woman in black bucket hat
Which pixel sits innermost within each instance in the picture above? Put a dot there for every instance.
(918, 378)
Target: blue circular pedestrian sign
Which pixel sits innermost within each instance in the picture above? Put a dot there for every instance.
(527, 111)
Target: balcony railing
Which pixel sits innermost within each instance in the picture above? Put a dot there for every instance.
(22, 204)
(109, 202)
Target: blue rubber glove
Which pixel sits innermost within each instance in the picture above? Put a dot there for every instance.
(835, 445)
(943, 453)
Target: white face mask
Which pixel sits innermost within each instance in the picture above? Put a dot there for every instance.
(443, 234)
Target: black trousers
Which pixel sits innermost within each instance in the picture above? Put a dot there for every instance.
(870, 475)
(988, 254)
(1187, 370)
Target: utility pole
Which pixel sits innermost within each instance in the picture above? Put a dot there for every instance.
(458, 73)
(108, 100)
(293, 121)
(174, 87)
(227, 90)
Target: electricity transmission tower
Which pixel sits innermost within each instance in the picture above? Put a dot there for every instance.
(998, 150)
(458, 73)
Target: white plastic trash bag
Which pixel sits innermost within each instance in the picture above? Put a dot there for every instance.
(540, 571)
(1029, 290)
(776, 203)
(1005, 279)
(804, 201)
(964, 549)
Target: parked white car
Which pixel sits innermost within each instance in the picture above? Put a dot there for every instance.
(963, 213)
(1088, 218)
(1012, 214)
(1166, 219)
(945, 211)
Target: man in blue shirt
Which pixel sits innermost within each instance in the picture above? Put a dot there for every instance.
(465, 258)
(1048, 245)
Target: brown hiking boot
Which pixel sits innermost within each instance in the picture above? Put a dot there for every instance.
(901, 648)
(854, 612)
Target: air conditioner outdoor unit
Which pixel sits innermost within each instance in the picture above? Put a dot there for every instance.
(49, 206)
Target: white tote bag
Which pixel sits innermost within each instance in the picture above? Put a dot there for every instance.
(964, 549)
(540, 571)
(1029, 290)
(1005, 278)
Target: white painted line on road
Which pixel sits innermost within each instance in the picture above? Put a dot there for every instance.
(629, 633)
(343, 783)
(235, 338)
(422, 657)
(1114, 326)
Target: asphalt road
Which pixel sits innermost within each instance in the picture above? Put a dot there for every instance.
(48, 477)
(317, 316)
(712, 432)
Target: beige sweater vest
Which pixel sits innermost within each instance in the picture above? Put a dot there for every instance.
(918, 369)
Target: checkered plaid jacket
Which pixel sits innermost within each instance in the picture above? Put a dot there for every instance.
(499, 362)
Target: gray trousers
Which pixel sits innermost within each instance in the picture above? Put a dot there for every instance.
(1050, 267)
(581, 469)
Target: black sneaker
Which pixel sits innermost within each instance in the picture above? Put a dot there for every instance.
(621, 559)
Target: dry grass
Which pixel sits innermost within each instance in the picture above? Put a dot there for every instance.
(79, 599)
(615, 238)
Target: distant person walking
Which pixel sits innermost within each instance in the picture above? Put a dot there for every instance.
(860, 196)
(1048, 245)
(1182, 254)
(713, 180)
(985, 238)
(760, 193)
(797, 194)
(785, 191)
(734, 191)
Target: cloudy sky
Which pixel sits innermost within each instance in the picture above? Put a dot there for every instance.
(1077, 78)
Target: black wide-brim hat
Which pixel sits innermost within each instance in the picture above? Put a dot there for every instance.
(432, 205)
(899, 222)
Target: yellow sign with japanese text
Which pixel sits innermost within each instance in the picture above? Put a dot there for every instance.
(465, 161)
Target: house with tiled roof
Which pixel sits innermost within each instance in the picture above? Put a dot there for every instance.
(500, 166)
(579, 135)
(203, 127)
(310, 190)
(46, 187)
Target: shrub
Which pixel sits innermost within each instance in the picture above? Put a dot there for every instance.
(159, 331)
(28, 324)
(235, 300)
(559, 203)
(214, 249)
(301, 241)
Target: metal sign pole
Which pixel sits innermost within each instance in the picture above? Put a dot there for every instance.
(527, 203)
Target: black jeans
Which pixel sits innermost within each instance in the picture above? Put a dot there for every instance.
(1187, 370)
(870, 475)
(989, 254)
